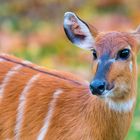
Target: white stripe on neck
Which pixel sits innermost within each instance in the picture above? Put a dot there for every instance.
(22, 103)
(120, 106)
(49, 115)
(7, 78)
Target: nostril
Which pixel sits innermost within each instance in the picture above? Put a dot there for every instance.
(102, 87)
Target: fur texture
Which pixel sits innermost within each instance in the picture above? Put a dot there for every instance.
(43, 104)
(77, 114)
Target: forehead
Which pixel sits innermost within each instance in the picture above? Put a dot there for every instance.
(113, 41)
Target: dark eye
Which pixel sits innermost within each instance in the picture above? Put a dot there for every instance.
(94, 54)
(123, 54)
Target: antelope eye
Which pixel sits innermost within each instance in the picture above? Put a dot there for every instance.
(94, 54)
(123, 54)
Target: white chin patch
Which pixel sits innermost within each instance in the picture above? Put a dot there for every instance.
(124, 106)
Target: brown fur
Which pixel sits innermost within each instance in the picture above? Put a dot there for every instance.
(78, 114)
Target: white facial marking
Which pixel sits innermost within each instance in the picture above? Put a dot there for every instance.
(7, 78)
(21, 107)
(49, 115)
(112, 60)
(88, 42)
(131, 66)
(120, 106)
(129, 47)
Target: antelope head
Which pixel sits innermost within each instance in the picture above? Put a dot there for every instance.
(114, 57)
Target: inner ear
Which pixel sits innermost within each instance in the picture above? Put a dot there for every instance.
(76, 28)
(78, 31)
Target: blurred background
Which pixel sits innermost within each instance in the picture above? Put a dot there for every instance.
(33, 30)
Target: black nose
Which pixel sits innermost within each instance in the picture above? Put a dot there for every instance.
(97, 87)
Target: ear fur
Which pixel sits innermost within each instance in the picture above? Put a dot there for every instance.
(136, 34)
(78, 32)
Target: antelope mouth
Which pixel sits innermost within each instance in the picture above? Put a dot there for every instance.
(107, 93)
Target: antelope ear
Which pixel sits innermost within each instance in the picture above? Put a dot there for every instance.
(136, 34)
(78, 32)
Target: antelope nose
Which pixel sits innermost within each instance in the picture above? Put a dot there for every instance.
(97, 87)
